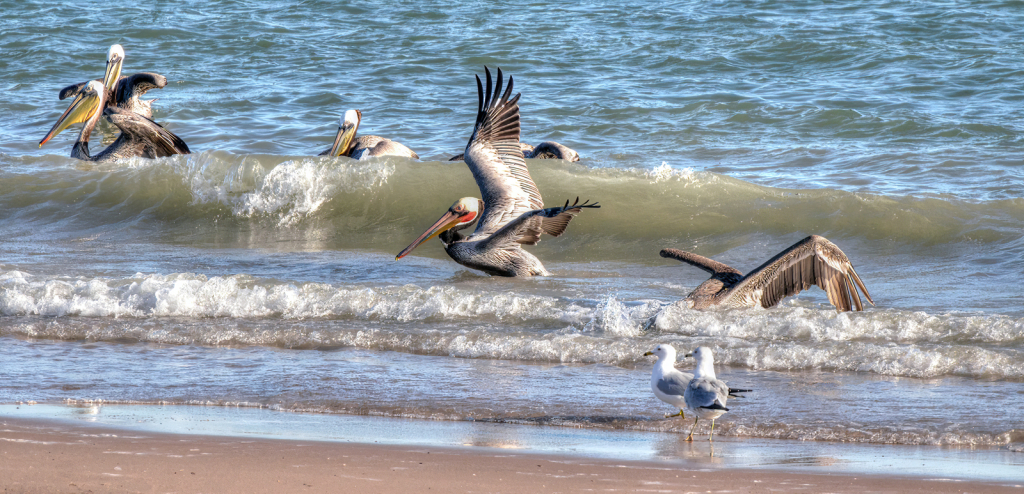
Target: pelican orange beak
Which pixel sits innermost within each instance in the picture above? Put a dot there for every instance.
(115, 58)
(81, 109)
(449, 220)
(346, 133)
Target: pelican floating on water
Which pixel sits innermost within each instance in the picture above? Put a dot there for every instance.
(140, 136)
(347, 144)
(547, 150)
(123, 91)
(811, 261)
(510, 213)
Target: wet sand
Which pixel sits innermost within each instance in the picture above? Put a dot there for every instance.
(87, 454)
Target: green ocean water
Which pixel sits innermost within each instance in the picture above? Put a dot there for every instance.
(732, 129)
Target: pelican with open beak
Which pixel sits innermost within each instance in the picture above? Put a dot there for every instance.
(140, 136)
(363, 147)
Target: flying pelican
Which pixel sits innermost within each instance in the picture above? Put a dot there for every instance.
(705, 394)
(811, 261)
(123, 91)
(140, 136)
(363, 147)
(510, 213)
(669, 384)
(547, 150)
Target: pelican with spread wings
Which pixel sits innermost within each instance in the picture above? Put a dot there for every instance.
(511, 212)
(123, 92)
(140, 136)
(811, 261)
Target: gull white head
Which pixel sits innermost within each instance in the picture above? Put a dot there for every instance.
(705, 362)
(664, 352)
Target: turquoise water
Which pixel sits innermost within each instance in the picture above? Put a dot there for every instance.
(729, 129)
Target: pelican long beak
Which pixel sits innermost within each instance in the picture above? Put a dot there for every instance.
(446, 222)
(81, 109)
(343, 140)
(113, 72)
(648, 354)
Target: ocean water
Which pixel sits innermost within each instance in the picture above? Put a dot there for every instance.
(253, 273)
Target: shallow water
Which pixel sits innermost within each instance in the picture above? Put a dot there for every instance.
(238, 273)
(949, 464)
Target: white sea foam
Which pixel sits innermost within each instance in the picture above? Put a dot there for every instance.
(290, 191)
(448, 320)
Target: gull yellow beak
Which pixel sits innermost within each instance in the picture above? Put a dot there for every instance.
(446, 222)
(688, 355)
(81, 109)
(648, 354)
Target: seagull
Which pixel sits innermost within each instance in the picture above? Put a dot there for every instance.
(705, 395)
(669, 384)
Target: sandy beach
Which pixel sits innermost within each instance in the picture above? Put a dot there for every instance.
(86, 455)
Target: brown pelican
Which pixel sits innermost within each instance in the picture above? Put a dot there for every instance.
(547, 150)
(140, 136)
(669, 384)
(123, 91)
(705, 394)
(811, 261)
(363, 147)
(510, 213)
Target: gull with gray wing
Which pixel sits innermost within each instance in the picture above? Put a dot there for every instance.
(706, 395)
(669, 384)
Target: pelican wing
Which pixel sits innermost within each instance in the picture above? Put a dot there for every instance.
(73, 90)
(137, 84)
(728, 275)
(811, 261)
(494, 156)
(526, 229)
(156, 140)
